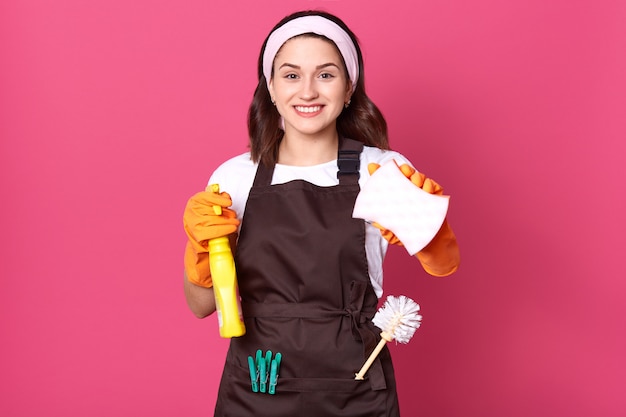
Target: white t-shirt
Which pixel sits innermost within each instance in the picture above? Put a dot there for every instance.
(236, 176)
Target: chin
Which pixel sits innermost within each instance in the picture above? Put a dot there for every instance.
(312, 129)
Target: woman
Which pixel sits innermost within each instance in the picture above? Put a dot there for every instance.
(309, 274)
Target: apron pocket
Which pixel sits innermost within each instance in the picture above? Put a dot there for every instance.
(320, 384)
(241, 377)
(303, 397)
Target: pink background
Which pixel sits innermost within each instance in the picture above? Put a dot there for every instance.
(112, 113)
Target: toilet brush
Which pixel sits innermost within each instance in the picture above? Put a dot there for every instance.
(398, 319)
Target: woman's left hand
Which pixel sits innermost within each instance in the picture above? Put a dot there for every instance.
(417, 178)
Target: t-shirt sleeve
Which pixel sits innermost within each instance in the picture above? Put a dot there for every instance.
(235, 177)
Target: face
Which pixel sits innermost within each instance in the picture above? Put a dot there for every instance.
(309, 86)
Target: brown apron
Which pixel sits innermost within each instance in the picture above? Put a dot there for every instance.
(306, 293)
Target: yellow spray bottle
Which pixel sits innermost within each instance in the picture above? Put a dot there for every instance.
(225, 286)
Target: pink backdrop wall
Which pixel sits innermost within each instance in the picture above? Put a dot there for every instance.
(112, 113)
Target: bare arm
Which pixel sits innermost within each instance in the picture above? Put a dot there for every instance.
(201, 300)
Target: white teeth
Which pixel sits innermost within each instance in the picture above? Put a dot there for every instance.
(313, 109)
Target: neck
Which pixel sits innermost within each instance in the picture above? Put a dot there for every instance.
(300, 150)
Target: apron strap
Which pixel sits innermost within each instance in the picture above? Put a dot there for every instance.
(348, 161)
(369, 337)
(263, 175)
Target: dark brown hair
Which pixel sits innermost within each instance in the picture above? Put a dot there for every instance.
(361, 121)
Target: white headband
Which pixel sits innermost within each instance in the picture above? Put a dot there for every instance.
(320, 26)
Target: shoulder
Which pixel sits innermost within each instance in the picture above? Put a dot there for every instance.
(235, 176)
(236, 168)
(238, 164)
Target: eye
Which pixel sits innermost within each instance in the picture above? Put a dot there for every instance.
(291, 76)
(326, 75)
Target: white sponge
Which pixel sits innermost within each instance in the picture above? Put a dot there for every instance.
(394, 202)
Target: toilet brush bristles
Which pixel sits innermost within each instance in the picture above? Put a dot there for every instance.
(399, 316)
(398, 319)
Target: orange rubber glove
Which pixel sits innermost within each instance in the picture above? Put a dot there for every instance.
(201, 223)
(441, 256)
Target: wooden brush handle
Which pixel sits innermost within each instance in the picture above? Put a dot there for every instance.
(385, 338)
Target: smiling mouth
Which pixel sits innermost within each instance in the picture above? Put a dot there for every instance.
(308, 109)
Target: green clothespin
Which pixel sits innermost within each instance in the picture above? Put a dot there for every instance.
(264, 370)
(278, 358)
(257, 359)
(255, 368)
(262, 375)
(254, 376)
(268, 359)
(274, 373)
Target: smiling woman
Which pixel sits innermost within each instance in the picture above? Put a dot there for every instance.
(309, 274)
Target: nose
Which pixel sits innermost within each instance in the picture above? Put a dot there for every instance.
(309, 89)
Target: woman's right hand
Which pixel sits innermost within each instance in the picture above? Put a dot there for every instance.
(202, 223)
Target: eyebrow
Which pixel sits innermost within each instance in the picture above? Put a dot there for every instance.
(328, 64)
